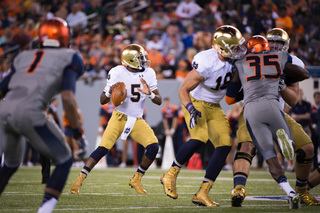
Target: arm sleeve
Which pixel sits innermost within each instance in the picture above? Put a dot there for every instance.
(69, 79)
(77, 64)
(4, 84)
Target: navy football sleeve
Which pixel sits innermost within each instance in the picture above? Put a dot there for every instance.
(4, 84)
(72, 73)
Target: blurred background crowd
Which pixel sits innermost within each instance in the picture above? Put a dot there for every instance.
(171, 31)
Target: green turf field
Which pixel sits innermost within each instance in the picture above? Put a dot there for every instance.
(107, 190)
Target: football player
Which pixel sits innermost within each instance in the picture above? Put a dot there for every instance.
(200, 93)
(36, 76)
(278, 40)
(262, 112)
(126, 119)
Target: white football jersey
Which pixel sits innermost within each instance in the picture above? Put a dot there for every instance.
(134, 102)
(296, 61)
(217, 76)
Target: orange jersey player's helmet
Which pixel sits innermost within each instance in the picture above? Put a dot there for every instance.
(54, 33)
(257, 44)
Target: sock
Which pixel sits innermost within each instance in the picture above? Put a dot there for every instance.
(301, 182)
(48, 196)
(141, 169)
(310, 186)
(205, 180)
(85, 170)
(175, 163)
(60, 175)
(284, 184)
(239, 178)
(5, 174)
(187, 150)
(216, 162)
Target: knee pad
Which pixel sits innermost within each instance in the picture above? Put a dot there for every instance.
(244, 156)
(99, 153)
(152, 151)
(301, 157)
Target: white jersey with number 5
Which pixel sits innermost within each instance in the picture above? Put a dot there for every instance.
(217, 76)
(134, 102)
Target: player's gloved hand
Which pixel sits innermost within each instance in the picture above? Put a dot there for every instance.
(83, 145)
(193, 115)
(81, 141)
(282, 84)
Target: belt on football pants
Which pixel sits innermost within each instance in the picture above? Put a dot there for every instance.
(205, 103)
(124, 116)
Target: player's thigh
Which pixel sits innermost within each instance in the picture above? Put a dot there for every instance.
(218, 127)
(278, 120)
(49, 140)
(242, 132)
(259, 131)
(200, 131)
(113, 131)
(13, 146)
(299, 136)
(143, 134)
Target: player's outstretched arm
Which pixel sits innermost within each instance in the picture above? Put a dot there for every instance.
(290, 94)
(70, 107)
(192, 80)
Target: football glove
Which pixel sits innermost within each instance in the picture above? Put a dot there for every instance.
(83, 145)
(81, 141)
(282, 84)
(193, 115)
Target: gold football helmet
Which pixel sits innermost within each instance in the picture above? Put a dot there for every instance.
(227, 40)
(278, 39)
(135, 56)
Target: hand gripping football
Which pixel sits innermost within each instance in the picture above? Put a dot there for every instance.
(119, 93)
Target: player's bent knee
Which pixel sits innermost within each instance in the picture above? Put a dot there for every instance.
(152, 151)
(247, 147)
(244, 156)
(302, 157)
(99, 153)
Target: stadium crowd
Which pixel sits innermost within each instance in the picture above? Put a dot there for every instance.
(171, 31)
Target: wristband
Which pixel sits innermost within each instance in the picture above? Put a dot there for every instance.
(107, 93)
(100, 129)
(283, 87)
(189, 107)
(151, 96)
(172, 130)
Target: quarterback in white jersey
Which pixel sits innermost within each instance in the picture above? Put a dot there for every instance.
(134, 102)
(126, 119)
(200, 93)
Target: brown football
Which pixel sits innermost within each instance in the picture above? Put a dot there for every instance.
(119, 94)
